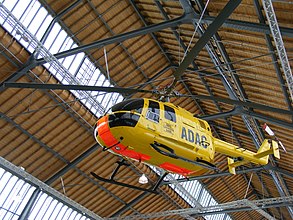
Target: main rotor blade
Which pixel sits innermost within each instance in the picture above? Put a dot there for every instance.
(44, 86)
(248, 104)
(131, 91)
(210, 31)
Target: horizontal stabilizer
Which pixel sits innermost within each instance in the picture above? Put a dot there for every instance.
(233, 164)
(231, 168)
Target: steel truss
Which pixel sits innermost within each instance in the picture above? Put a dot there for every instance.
(40, 186)
(276, 33)
(235, 206)
(41, 51)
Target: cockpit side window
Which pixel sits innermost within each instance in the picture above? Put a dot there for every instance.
(153, 112)
(129, 105)
(202, 124)
(169, 113)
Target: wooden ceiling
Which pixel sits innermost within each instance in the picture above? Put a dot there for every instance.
(45, 131)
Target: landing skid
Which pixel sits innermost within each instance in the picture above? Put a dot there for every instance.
(112, 181)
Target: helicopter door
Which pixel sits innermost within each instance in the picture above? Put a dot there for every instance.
(153, 116)
(169, 128)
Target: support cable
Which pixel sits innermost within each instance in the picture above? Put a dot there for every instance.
(195, 30)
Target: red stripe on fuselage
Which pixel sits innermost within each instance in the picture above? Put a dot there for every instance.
(105, 134)
(175, 169)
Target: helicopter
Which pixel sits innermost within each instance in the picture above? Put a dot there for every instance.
(167, 136)
(161, 134)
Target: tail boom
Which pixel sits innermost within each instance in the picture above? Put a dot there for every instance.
(244, 156)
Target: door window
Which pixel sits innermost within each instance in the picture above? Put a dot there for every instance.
(153, 113)
(169, 113)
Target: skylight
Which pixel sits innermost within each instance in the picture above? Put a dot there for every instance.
(27, 21)
(16, 190)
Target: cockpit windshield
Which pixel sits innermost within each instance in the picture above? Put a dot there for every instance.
(128, 105)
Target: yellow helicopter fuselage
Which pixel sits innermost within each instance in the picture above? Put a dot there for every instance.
(167, 136)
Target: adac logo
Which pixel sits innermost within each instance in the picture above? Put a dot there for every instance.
(168, 128)
(195, 138)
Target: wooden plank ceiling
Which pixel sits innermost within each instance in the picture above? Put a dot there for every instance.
(42, 134)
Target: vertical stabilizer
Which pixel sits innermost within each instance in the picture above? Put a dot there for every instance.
(268, 147)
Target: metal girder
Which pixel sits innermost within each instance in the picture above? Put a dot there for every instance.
(253, 114)
(245, 134)
(210, 31)
(243, 171)
(274, 57)
(24, 215)
(120, 37)
(244, 104)
(245, 25)
(282, 188)
(32, 137)
(145, 24)
(234, 111)
(187, 9)
(255, 193)
(44, 86)
(20, 173)
(52, 23)
(31, 61)
(245, 209)
(234, 206)
(270, 119)
(186, 18)
(72, 164)
(281, 171)
(129, 204)
(283, 57)
(214, 175)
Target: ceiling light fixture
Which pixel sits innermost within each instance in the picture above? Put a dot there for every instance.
(143, 179)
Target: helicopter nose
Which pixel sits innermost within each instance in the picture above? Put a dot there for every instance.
(100, 127)
(96, 133)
